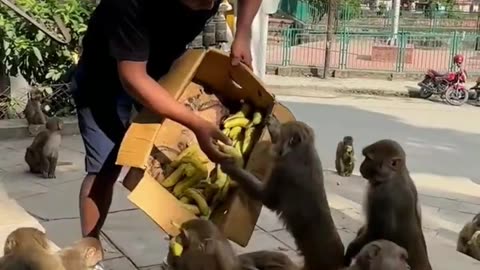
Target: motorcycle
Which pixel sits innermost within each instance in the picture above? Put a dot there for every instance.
(474, 91)
(449, 86)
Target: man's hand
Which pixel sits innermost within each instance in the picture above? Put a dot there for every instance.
(207, 133)
(241, 50)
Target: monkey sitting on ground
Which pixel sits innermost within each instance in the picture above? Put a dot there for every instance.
(33, 110)
(205, 247)
(391, 205)
(381, 255)
(84, 254)
(464, 242)
(42, 155)
(345, 157)
(296, 192)
(29, 248)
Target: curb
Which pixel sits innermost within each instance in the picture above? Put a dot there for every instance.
(315, 90)
(18, 128)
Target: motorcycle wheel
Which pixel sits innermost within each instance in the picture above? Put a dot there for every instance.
(456, 97)
(425, 92)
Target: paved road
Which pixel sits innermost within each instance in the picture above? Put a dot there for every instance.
(441, 142)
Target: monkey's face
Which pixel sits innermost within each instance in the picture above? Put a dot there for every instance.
(383, 255)
(380, 163)
(25, 238)
(348, 153)
(475, 241)
(293, 136)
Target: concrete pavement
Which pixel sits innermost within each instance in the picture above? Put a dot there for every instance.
(133, 241)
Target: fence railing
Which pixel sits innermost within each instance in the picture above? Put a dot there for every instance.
(410, 52)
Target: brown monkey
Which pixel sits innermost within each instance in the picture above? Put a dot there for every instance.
(295, 190)
(33, 111)
(381, 255)
(345, 157)
(266, 260)
(204, 248)
(391, 204)
(28, 248)
(466, 234)
(474, 246)
(42, 155)
(82, 255)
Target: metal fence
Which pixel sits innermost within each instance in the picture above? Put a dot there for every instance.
(56, 101)
(412, 52)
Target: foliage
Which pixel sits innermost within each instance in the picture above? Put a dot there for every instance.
(350, 9)
(318, 9)
(26, 49)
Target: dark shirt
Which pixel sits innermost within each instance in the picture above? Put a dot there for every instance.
(156, 31)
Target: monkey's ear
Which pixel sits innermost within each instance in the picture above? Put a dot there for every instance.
(9, 245)
(373, 251)
(91, 251)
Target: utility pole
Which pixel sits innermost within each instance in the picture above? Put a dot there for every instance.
(396, 19)
(332, 8)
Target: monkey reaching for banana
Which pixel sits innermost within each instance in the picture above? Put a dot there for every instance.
(345, 157)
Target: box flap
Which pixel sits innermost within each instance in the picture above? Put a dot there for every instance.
(163, 203)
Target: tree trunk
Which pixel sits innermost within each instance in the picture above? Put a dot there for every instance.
(332, 8)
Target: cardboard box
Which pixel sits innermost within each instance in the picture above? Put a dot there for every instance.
(210, 69)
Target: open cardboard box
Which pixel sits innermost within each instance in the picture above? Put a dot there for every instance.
(196, 72)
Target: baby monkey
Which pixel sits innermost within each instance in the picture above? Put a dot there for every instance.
(345, 157)
(381, 255)
(33, 110)
(84, 254)
(469, 240)
(42, 155)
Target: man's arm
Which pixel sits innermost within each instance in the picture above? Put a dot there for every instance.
(247, 9)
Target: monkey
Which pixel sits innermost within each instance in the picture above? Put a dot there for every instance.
(391, 204)
(381, 255)
(29, 248)
(204, 247)
(42, 155)
(295, 191)
(474, 246)
(266, 260)
(84, 254)
(466, 234)
(33, 110)
(345, 157)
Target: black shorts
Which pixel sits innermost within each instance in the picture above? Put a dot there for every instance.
(103, 122)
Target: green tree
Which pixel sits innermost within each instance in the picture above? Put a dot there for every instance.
(27, 50)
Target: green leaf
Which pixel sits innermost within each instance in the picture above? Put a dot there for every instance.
(37, 54)
(40, 36)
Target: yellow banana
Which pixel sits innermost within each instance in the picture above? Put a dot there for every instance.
(192, 208)
(235, 133)
(175, 247)
(247, 141)
(210, 191)
(192, 150)
(224, 190)
(256, 119)
(221, 177)
(180, 188)
(199, 200)
(174, 177)
(236, 122)
(194, 160)
(190, 170)
(238, 147)
(184, 199)
(231, 151)
(244, 111)
(226, 131)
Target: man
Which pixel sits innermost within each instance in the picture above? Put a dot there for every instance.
(128, 46)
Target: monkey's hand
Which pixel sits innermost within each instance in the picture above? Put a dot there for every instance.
(249, 182)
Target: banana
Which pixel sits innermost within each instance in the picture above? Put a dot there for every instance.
(192, 150)
(256, 118)
(226, 131)
(194, 160)
(199, 200)
(236, 122)
(190, 170)
(247, 141)
(238, 146)
(192, 208)
(184, 199)
(175, 247)
(210, 191)
(221, 177)
(180, 188)
(232, 151)
(224, 190)
(244, 111)
(174, 177)
(235, 133)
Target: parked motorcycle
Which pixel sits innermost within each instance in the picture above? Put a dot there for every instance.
(449, 86)
(474, 91)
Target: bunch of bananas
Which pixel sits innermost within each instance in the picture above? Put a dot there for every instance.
(240, 128)
(189, 182)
